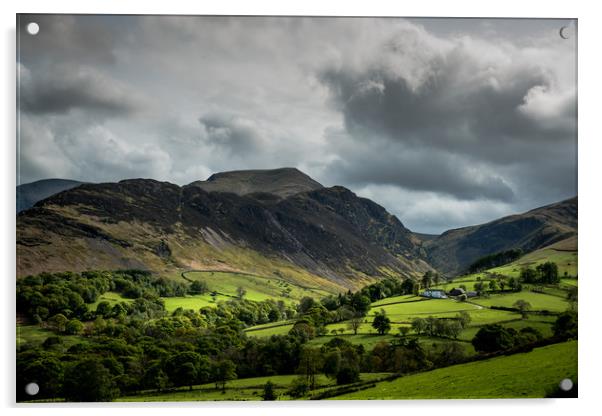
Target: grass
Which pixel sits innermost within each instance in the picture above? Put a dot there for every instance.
(544, 327)
(258, 287)
(538, 301)
(242, 389)
(516, 376)
(195, 302)
(267, 330)
(111, 297)
(33, 334)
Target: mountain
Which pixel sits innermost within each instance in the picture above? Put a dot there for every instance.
(270, 222)
(454, 250)
(30, 193)
(282, 182)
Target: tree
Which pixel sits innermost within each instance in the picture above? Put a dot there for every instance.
(427, 279)
(354, 324)
(419, 325)
(381, 322)
(198, 287)
(360, 303)
(502, 284)
(464, 318)
(493, 285)
(74, 327)
(332, 363)
(548, 272)
(299, 387)
(58, 322)
(240, 292)
(523, 307)
(348, 374)
(528, 275)
(89, 381)
(404, 330)
(187, 368)
(268, 391)
(310, 362)
(223, 371)
(565, 325)
(491, 338)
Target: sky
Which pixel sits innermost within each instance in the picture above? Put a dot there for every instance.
(444, 122)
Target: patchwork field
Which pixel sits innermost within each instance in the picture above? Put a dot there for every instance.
(519, 375)
(242, 389)
(258, 287)
(538, 301)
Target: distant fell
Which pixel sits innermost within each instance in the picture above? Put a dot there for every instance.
(282, 182)
(454, 250)
(30, 193)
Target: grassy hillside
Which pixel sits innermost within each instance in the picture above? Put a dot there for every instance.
(516, 376)
(242, 389)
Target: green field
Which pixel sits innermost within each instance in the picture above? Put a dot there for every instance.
(258, 287)
(242, 389)
(267, 330)
(544, 327)
(35, 335)
(195, 302)
(519, 375)
(111, 297)
(538, 301)
(563, 253)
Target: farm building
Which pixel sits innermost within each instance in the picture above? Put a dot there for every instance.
(471, 294)
(456, 291)
(434, 294)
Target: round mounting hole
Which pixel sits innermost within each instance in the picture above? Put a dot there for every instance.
(32, 389)
(33, 28)
(566, 384)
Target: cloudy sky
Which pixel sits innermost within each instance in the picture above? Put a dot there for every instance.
(445, 122)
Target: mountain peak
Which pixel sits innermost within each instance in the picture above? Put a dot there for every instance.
(282, 182)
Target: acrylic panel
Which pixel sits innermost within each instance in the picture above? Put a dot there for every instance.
(216, 208)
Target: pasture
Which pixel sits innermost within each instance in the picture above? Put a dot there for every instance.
(538, 301)
(524, 375)
(241, 389)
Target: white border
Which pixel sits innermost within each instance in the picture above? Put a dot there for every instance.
(589, 193)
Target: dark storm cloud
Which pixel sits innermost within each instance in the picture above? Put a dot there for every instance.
(70, 87)
(86, 39)
(238, 136)
(452, 117)
(423, 170)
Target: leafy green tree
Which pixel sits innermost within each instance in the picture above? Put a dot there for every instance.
(565, 325)
(332, 363)
(310, 363)
(381, 322)
(348, 374)
(354, 324)
(523, 307)
(548, 272)
(419, 325)
(299, 387)
(89, 381)
(240, 292)
(187, 368)
(224, 371)
(360, 303)
(491, 338)
(493, 285)
(74, 327)
(528, 275)
(198, 287)
(268, 391)
(58, 322)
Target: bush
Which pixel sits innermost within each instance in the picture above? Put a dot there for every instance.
(299, 387)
